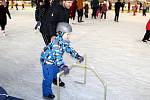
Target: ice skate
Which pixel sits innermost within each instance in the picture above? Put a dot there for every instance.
(50, 97)
(61, 84)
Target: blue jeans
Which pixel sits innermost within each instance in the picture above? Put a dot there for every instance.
(49, 73)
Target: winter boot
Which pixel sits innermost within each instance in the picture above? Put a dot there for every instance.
(61, 84)
(51, 96)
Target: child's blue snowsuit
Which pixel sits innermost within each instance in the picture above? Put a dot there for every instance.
(52, 59)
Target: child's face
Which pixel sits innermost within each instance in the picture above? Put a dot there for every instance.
(66, 36)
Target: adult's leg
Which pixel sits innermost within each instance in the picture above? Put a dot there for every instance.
(87, 15)
(3, 24)
(143, 12)
(3, 27)
(146, 36)
(81, 15)
(46, 39)
(78, 15)
(117, 16)
(74, 14)
(104, 15)
(73, 17)
(92, 12)
(115, 19)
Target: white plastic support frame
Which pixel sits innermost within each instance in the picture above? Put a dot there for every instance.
(85, 76)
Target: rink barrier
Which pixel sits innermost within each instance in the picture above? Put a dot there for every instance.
(85, 67)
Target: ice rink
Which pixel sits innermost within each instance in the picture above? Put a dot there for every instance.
(113, 48)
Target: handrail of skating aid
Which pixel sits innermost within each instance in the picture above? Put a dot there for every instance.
(85, 76)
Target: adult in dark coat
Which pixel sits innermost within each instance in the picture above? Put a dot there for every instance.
(117, 10)
(94, 6)
(58, 11)
(3, 17)
(80, 10)
(123, 4)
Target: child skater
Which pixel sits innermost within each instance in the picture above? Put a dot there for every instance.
(52, 57)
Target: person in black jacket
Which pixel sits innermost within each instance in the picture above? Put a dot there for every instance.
(3, 17)
(94, 7)
(117, 10)
(123, 5)
(57, 11)
(38, 14)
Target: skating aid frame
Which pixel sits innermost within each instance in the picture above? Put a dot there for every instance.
(85, 67)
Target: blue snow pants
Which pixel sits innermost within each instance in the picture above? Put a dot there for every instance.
(49, 73)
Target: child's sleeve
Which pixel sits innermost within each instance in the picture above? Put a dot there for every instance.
(71, 51)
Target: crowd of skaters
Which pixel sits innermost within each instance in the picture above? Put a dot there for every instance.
(81, 8)
(16, 4)
(138, 6)
(101, 8)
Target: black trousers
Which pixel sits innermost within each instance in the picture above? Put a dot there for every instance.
(147, 35)
(2, 27)
(103, 13)
(74, 15)
(80, 15)
(2, 24)
(94, 10)
(144, 12)
(116, 16)
(47, 39)
(86, 14)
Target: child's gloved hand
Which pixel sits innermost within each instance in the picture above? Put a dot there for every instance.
(65, 69)
(80, 58)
